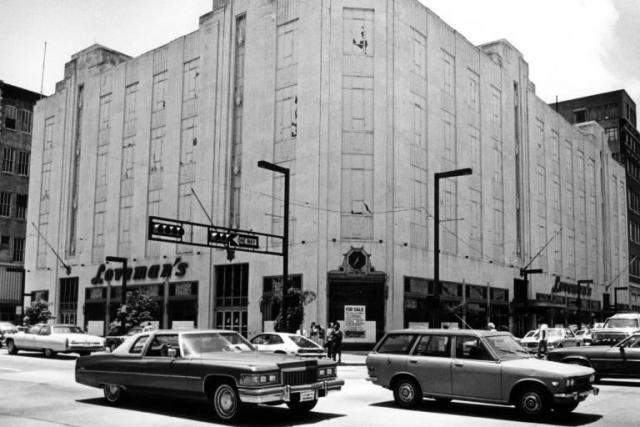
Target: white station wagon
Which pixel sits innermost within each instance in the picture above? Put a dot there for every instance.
(483, 366)
(52, 339)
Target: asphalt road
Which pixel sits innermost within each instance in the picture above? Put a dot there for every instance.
(35, 391)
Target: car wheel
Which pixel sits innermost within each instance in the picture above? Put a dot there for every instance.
(407, 393)
(11, 347)
(48, 353)
(565, 408)
(532, 402)
(113, 393)
(226, 402)
(302, 407)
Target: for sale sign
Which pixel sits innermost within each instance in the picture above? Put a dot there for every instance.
(354, 318)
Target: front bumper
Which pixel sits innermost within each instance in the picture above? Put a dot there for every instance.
(575, 396)
(283, 393)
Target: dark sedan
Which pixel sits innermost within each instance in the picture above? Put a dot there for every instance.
(619, 360)
(219, 366)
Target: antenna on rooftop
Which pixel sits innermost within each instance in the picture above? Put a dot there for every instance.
(44, 57)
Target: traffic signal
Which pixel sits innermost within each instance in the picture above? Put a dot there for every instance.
(162, 230)
(221, 237)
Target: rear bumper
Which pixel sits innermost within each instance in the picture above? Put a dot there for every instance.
(78, 349)
(284, 393)
(576, 396)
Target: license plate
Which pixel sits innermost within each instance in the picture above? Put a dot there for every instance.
(307, 395)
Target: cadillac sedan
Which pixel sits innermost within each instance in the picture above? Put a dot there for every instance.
(217, 366)
(53, 339)
(619, 360)
(482, 366)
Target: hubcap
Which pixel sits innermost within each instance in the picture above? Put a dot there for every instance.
(225, 401)
(406, 392)
(531, 402)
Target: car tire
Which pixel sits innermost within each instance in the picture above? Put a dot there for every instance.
(48, 353)
(226, 402)
(532, 401)
(407, 393)
(11, 347)
(565, 408)
(302, 407)
(113, 393)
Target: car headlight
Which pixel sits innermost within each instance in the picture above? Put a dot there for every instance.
(259, 379)
(570, 382)
(326, 372)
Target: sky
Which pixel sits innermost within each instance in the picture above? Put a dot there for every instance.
(574, 47)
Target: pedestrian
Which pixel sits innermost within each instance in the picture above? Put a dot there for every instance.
(330, 344)
(337, 342)
(542, 340)
(313, 332)
(491, 326)
(320, 335)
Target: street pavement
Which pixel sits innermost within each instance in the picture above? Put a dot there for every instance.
(40, 392)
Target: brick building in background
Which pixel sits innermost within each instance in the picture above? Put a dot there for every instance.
(616, 112)
(16, 110)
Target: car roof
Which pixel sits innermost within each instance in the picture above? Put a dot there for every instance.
(625, 316)
(477, 332)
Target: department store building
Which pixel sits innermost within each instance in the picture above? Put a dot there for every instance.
(363, 100)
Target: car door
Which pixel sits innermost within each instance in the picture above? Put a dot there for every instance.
(45, 339)
(430, 362)
(26, 340)
(626, 357)
(130, 366)
(475, 373)
(163, 373)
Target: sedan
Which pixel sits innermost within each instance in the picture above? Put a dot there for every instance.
(619, 360)
(217, 366)
(279, 342)
(556, 338)
(52, 339)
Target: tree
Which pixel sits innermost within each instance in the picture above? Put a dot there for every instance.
(37, 312)
(139, 308)
(293, 318)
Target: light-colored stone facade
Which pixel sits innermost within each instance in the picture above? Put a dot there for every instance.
(364, 100)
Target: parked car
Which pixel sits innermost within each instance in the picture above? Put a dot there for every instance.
(52, 339)
(556, 337)
(218, 365)
(6, 329)
(584, 335)
(616, 328)
(115, 337)
(619, 360)
(484, 366)
(279, 342)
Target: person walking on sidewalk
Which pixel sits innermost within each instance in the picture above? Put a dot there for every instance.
(337, 342)
(542, 341)
(329, 344)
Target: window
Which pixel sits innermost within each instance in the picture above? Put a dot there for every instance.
(161, 344)
(25, 121)
(433, 346)
(22, 166)
(5, 203)
(21, 206)
(397, 344)
(4, 243)
(580, 116)
(471, 348)
(10, 116)
(18, 249)
(138, 346)
(8, 155)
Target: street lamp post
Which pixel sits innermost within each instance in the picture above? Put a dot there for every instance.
(580, 282)
(615, 295)
(123, 297)
(285, 236)
(436, 219)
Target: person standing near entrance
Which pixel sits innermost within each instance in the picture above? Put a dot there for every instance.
(542, 341)
(337, 342)
(329, 344)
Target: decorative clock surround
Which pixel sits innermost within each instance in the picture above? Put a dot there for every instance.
(356, 261)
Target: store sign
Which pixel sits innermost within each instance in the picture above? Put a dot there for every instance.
(569, 288)
(140, 272)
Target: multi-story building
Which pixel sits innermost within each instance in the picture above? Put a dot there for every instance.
(363, 101)
(616, 113)
(16, 108)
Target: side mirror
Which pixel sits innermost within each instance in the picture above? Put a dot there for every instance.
(172, 353)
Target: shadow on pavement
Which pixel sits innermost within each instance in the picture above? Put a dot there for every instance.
(39, 355)
(498, 412)
(201, 411)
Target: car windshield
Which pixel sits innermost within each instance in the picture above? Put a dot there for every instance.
(67, 330)
(302, 342)
(554, 332)
(214, 342)
(621, 323)
(506, 347)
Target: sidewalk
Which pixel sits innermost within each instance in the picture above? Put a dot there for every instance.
(353, 358)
